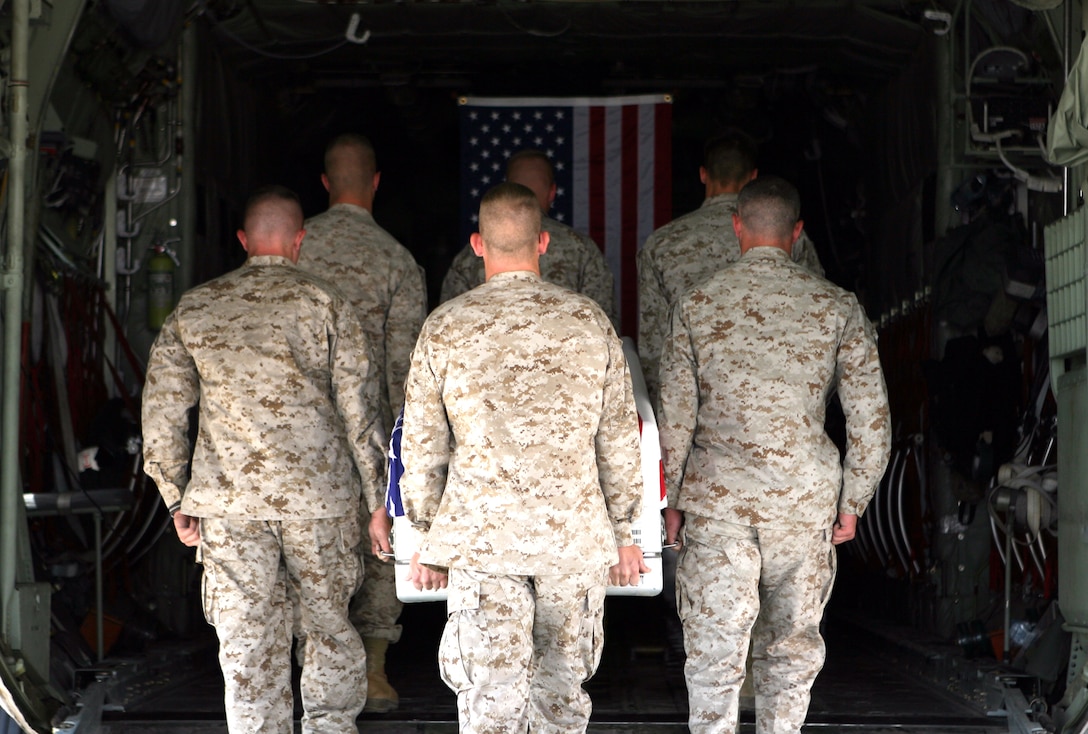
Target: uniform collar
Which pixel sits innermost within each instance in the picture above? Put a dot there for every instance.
(765, 253)
(264, 260)
(354, 208)
(514, 275)
(721, 201)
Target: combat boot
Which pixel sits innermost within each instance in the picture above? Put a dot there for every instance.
(380, 696)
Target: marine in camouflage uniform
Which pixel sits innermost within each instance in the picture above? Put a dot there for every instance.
(573, 260)
(385, 285)
(521, 466)
(289, 423)
(687, 251)
(752, 359)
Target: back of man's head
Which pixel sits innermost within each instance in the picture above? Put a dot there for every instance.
(769, 207)
(272, 221)
(729, 158)
(510, 220)
(533, 169)
(350, 164)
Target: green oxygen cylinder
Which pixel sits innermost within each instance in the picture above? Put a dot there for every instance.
(160, 287)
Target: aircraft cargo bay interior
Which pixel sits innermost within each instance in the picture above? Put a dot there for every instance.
(938, 148)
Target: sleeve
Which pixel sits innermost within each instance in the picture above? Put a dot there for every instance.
(425, 441)
(653, 311)
(407, 310)
(171, 390)
(617, 447)
(598, 282)
(465, 273)
(864, 399)
(804, 254)
(679, 404)
(357, 394)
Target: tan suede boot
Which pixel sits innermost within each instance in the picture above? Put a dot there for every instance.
(380, 696)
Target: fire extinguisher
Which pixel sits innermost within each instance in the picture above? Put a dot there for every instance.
(160, 286)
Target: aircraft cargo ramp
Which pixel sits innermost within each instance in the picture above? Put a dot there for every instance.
(876, 681)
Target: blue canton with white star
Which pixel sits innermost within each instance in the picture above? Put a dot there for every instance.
(490, 135)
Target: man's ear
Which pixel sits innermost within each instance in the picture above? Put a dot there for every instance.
(738, 227)
(797, 230)
(297, 246)
(377, 178)
(542, 243)
(242, 238)
(325, 181)
(477, 243)
(702, 175)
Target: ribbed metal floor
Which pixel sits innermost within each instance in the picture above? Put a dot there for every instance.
(866, 685)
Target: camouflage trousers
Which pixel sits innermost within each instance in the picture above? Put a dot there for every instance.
(248, 568)
(737, 585)
(375, 609)
(517, 649)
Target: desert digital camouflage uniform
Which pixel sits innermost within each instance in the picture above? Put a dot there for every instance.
(681, 255)
(752, 358)
(572, 260)
(289, 423)
(384, 284)
(521, 458)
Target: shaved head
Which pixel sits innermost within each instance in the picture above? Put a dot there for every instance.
(730, 157)
(272, 209)
(350, 164)
(272, 224)
(769, 206)
(510, 220)
(533, 170)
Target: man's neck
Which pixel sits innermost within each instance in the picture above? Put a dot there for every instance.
(494, 267)
(360, 200)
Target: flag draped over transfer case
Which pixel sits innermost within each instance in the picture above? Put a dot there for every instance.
(613, 169)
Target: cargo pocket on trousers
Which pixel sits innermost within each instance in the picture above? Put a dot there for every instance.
(207, 597)
(591, 639)
(832, 565)
(465, 646)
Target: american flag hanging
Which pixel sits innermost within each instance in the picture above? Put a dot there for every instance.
(613, 169)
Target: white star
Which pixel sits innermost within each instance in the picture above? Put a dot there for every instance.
(495, 141)
(549, 127)
(485, 153)
(475, 218)
(486, 179)
(559, 140)
(559, 216)
(528, 128)
(559, 114)
(495, 166)
(485, 128)
(550, 153)
(516, 140)
(538, 140)
(560, 165)
(474, 141)
(506, 128)
(538, 115)
(472, 115)
(517, 115)
(494, 115)
(559, 192)
(474, 193)
(474, 166)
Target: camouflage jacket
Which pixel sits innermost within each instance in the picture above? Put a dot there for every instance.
(289, 408)
(678, 257)
(573, 261)
(520, 444)
(382, 281)
(751, 361)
